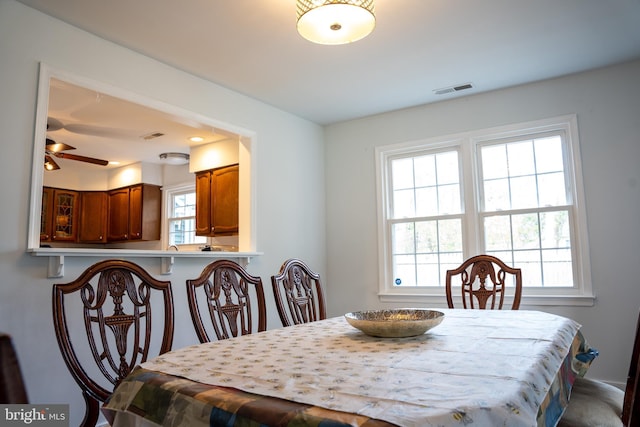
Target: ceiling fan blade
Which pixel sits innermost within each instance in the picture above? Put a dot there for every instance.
(101, 131)
(53, 124)
(50, 164)
(81, 158)
(57, 146)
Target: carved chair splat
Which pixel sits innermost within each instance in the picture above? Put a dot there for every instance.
(227, 294)
(114, 299)
(298, 293)
(483, 282)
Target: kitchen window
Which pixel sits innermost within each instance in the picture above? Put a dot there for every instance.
(514, 192)
(180, 218)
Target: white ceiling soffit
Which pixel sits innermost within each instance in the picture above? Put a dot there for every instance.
(416, 48)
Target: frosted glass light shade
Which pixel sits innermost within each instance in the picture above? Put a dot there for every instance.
(335, 21)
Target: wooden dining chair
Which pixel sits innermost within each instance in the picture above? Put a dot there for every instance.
(226, 293)
(483, 283)
(12, 388)
(103, 325)
(594, 403)
(298, 293)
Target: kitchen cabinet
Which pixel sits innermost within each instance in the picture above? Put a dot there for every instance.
(134, 213)
(217, 196)
(93, 217)
(59, 216)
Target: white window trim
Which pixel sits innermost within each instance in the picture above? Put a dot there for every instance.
(580, 295)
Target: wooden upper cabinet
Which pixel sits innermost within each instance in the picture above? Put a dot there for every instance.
(59, 216)
(224, 206)
(118, 220)
(93, 217)
(135, 213)
(217, 196)
(203, 203)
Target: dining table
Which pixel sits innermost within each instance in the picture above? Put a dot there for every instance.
(477, 367)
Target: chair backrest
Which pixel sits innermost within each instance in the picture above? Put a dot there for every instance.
(228, 293)
(12, 388)
(483, 279)
(106, 312)
(298, 293)
(631, 404)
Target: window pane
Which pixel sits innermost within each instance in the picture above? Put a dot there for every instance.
(449, 199)
(531, 265)
(554, 231)
(427, 237)
(402, 238)
(557, 267)
(526, 231)
(552, 189)
(425, 167)
(494, 161)
(404, 268)
(426, 201)
(402, 173)
(496, 195)
(450, 236)
(520, 158)
(447, 167)
(549, 154)
(497, 233)
(428, 270)
(403, 204)
(524, 192)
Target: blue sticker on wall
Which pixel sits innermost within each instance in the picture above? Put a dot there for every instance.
(398, 281)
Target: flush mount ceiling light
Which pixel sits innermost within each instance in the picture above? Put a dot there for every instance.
(335, 21)
(175, 158)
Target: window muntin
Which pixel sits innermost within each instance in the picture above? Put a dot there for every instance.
(510, 192)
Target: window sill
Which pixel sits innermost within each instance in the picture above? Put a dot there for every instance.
(57, 256)
(526, 301)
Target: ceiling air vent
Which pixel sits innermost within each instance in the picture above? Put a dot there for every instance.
(452, 89)
(152, 136)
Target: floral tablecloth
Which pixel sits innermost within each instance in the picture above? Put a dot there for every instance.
(486, 368)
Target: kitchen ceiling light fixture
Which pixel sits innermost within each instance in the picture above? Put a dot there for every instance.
(335, 21)
(50, 164)
(175, 158)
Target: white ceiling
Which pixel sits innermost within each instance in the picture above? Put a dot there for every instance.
(418, 46)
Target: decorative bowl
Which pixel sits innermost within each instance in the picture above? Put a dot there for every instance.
(395, 323)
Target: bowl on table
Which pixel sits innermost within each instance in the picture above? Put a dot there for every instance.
(395, 323)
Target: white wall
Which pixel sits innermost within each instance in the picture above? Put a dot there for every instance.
(607, 103)
(289, 157)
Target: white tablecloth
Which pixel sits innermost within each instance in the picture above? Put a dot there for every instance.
(489, 368)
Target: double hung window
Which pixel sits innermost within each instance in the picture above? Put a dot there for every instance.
(512, 192)
(181, 218)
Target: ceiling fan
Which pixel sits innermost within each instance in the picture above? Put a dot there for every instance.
(57, 149)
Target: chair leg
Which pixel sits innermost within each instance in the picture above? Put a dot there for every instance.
(92, 412)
